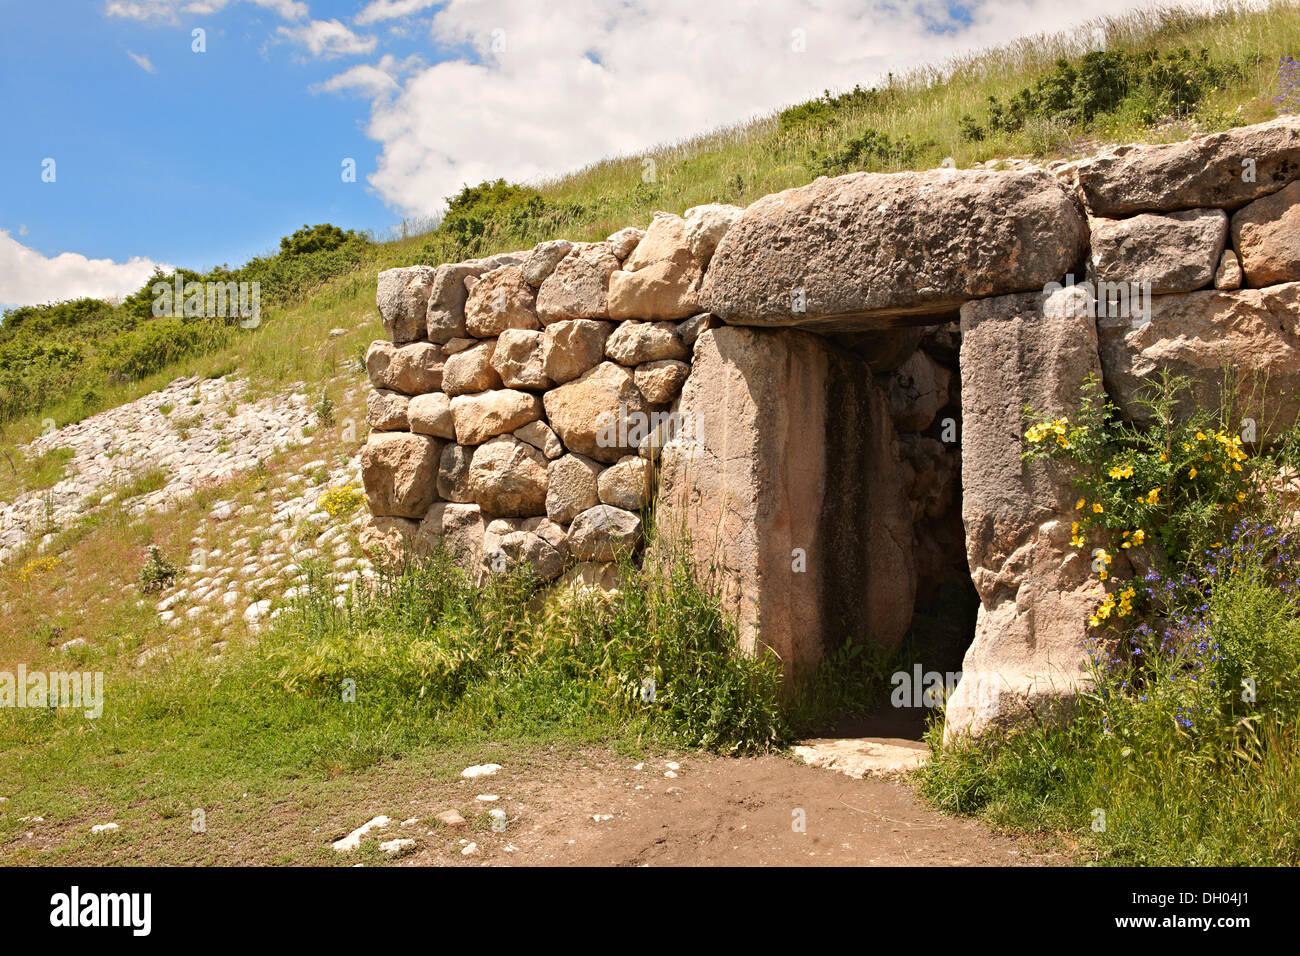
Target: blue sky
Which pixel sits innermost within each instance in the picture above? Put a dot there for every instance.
(168, 156)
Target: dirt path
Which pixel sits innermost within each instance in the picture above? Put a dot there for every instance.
(599, 810)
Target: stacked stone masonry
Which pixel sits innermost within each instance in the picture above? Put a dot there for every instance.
(839, 373)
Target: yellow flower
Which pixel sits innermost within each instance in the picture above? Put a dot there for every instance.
(1121, 472)
(1153, 496)
(1241, 496)
(1192, 473)
(1164, 457)
(1139, 536)
(1097, 508)
(1079, 504)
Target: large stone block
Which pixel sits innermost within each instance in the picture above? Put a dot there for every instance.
(501, 300)
(484, 415)
(1035, 591)
(599, 414)
(1221, 170)
(1248, 339)
(1266, 234)
(399, 471)
(410, 369)
(579, 286)
(1177, 252)
(402, 296)
(784, 430)
(508, 478)
(870, 250)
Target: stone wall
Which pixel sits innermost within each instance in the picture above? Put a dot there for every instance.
(815, 352)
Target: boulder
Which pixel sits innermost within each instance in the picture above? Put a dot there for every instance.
(459, 529)
(445, 316)
(572, 488)
(484, 415)
(571, 347)
(397, 470)
(431, 415)
(917, 391)
(634, 343)
(705, 227)
(402, 296)
(501, 300)
(518, 360)
(511, 542)
(453, 474)
(386, 411)
(1221, 170)
(579, 286)
(781, 422)
(1251, 336)
(661, 278)
(1227, 276)
(601, 414)
(604, 533)
(628, 485)
(661, 380)
(387, 541)
(471, 370)
(1266, 234)
(410, 369)
(1175, 252)
(624, 241)
(874, 250)
(690, 330)
(539, 435)
(541, 262)
(508, 478)
(1036, 592)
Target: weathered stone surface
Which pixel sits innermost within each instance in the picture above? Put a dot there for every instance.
(572, 487)
(660, 381)
(501, 300)
(484, 415)
(598, 414)
(782, 422)
(445, 316)
(624, 241)
(917, 391)
(604, 533)
(661, 278)
(592, 577)
(453, 474)
(431, 415)
(690, 330)
(1175, 252)
(518, 360)
(410, 369)
(539, 435)
(458, 528)
(1256, 332)
(508, 478)
(579, 286)
(572, 347)
(471, 370)
(1221, 170)
(397, 470)
(541, 262)
(1266, 234)
(386, 411)
(387, 540)
(1227, 276)
(1036, 592)
(510, 542)
(452, 346)
(402, 296)
(628, 485)
(705, 227)
(868, 250)
(634, 343)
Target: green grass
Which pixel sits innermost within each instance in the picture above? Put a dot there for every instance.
(19, 473)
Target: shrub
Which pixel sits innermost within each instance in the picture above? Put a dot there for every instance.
(158, 572)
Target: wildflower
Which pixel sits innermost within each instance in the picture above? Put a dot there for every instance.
(1153, 496)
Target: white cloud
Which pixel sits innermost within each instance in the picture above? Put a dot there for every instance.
(552, 87)
(379, 79)
(169, 11)
(329, 38)
(142, 62)
(29, 278)
(378, 10)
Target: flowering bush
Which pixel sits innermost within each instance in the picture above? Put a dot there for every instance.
(341, 501)
(37, 567)
(1167, 492)
(1287, 99)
